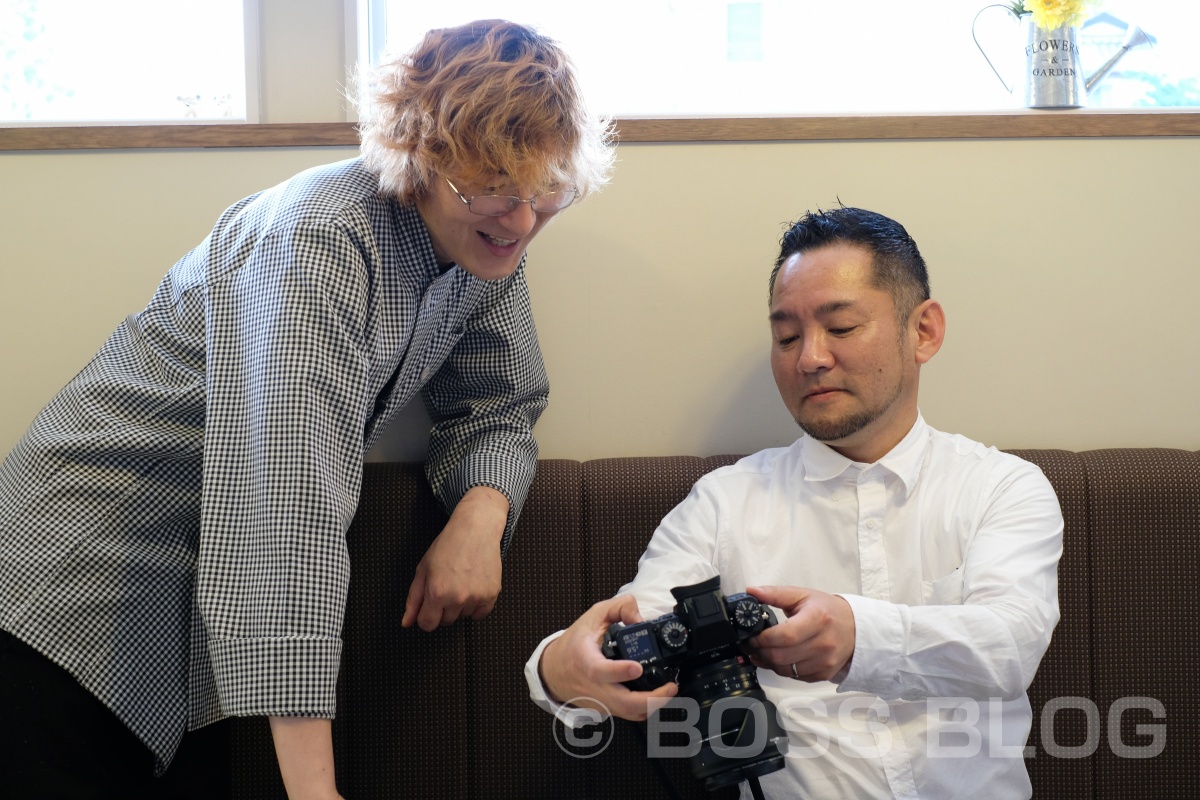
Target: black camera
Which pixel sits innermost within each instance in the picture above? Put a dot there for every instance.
(699, 646)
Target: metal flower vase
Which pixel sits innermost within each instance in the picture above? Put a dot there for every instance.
(1053, 76)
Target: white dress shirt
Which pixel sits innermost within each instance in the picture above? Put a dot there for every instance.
(947, 552)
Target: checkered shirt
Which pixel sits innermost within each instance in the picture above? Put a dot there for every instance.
(172, 525)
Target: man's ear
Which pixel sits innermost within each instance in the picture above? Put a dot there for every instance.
(928, 326)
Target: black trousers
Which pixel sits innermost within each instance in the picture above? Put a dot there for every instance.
(58, 741)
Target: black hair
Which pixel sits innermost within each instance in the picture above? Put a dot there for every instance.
(897, 263)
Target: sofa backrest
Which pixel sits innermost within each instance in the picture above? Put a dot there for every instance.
(447, 714)
(1115, 709)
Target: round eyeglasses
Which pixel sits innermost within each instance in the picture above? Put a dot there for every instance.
(497, 205)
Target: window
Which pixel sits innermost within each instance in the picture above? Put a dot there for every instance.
(662, 58)
(76, 61)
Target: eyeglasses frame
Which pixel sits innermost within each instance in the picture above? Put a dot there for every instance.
(532, 200)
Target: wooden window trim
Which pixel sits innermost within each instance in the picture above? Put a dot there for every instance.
(1022, 124)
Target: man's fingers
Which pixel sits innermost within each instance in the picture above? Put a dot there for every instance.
(483, 609)
(432, 616)
(438, 610)
(797, 628)
(788, 598)
(606, 671)
(619, 609)
(413, 603)
(433, 604)
(814, 643)
(792, 634)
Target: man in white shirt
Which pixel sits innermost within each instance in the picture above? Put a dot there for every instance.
(915, 571)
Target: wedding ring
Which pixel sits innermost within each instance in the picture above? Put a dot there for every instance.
(795, 674)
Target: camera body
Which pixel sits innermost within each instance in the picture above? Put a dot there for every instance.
(699, 645)
(704, 622)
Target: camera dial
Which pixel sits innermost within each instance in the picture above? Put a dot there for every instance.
(747, 613)
(674, 634)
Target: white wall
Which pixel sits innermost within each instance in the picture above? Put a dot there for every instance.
(1066, 268)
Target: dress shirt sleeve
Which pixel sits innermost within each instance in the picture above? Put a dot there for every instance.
(984, 628)
(683, 551)
(283, 457)
(484, 401)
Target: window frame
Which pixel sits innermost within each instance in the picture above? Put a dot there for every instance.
(1009, 124)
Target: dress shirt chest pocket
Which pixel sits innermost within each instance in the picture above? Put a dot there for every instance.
(946, 591)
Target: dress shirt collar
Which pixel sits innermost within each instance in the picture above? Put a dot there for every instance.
(823, 463)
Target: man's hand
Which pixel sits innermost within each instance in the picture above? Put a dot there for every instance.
(574, 670)
(460, 573)
(814, 643)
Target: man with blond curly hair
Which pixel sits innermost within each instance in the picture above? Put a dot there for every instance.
(172, 526)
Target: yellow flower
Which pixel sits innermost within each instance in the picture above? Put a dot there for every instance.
(1051, 14)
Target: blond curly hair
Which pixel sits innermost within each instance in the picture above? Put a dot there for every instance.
(486, 98)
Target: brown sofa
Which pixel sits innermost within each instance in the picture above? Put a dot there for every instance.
(447, 715)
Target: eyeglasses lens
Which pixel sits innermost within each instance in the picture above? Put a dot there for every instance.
(495, 205)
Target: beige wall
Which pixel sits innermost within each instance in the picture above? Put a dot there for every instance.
(1066, 268)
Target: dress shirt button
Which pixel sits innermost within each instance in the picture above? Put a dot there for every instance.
(872, 524)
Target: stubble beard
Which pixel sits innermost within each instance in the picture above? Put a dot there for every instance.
(844, 427)
(837, 429)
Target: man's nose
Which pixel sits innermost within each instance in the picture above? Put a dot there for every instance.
(814, 354)
(520, 220)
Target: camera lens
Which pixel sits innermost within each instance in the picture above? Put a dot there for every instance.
(724, 674)
(742, 734)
